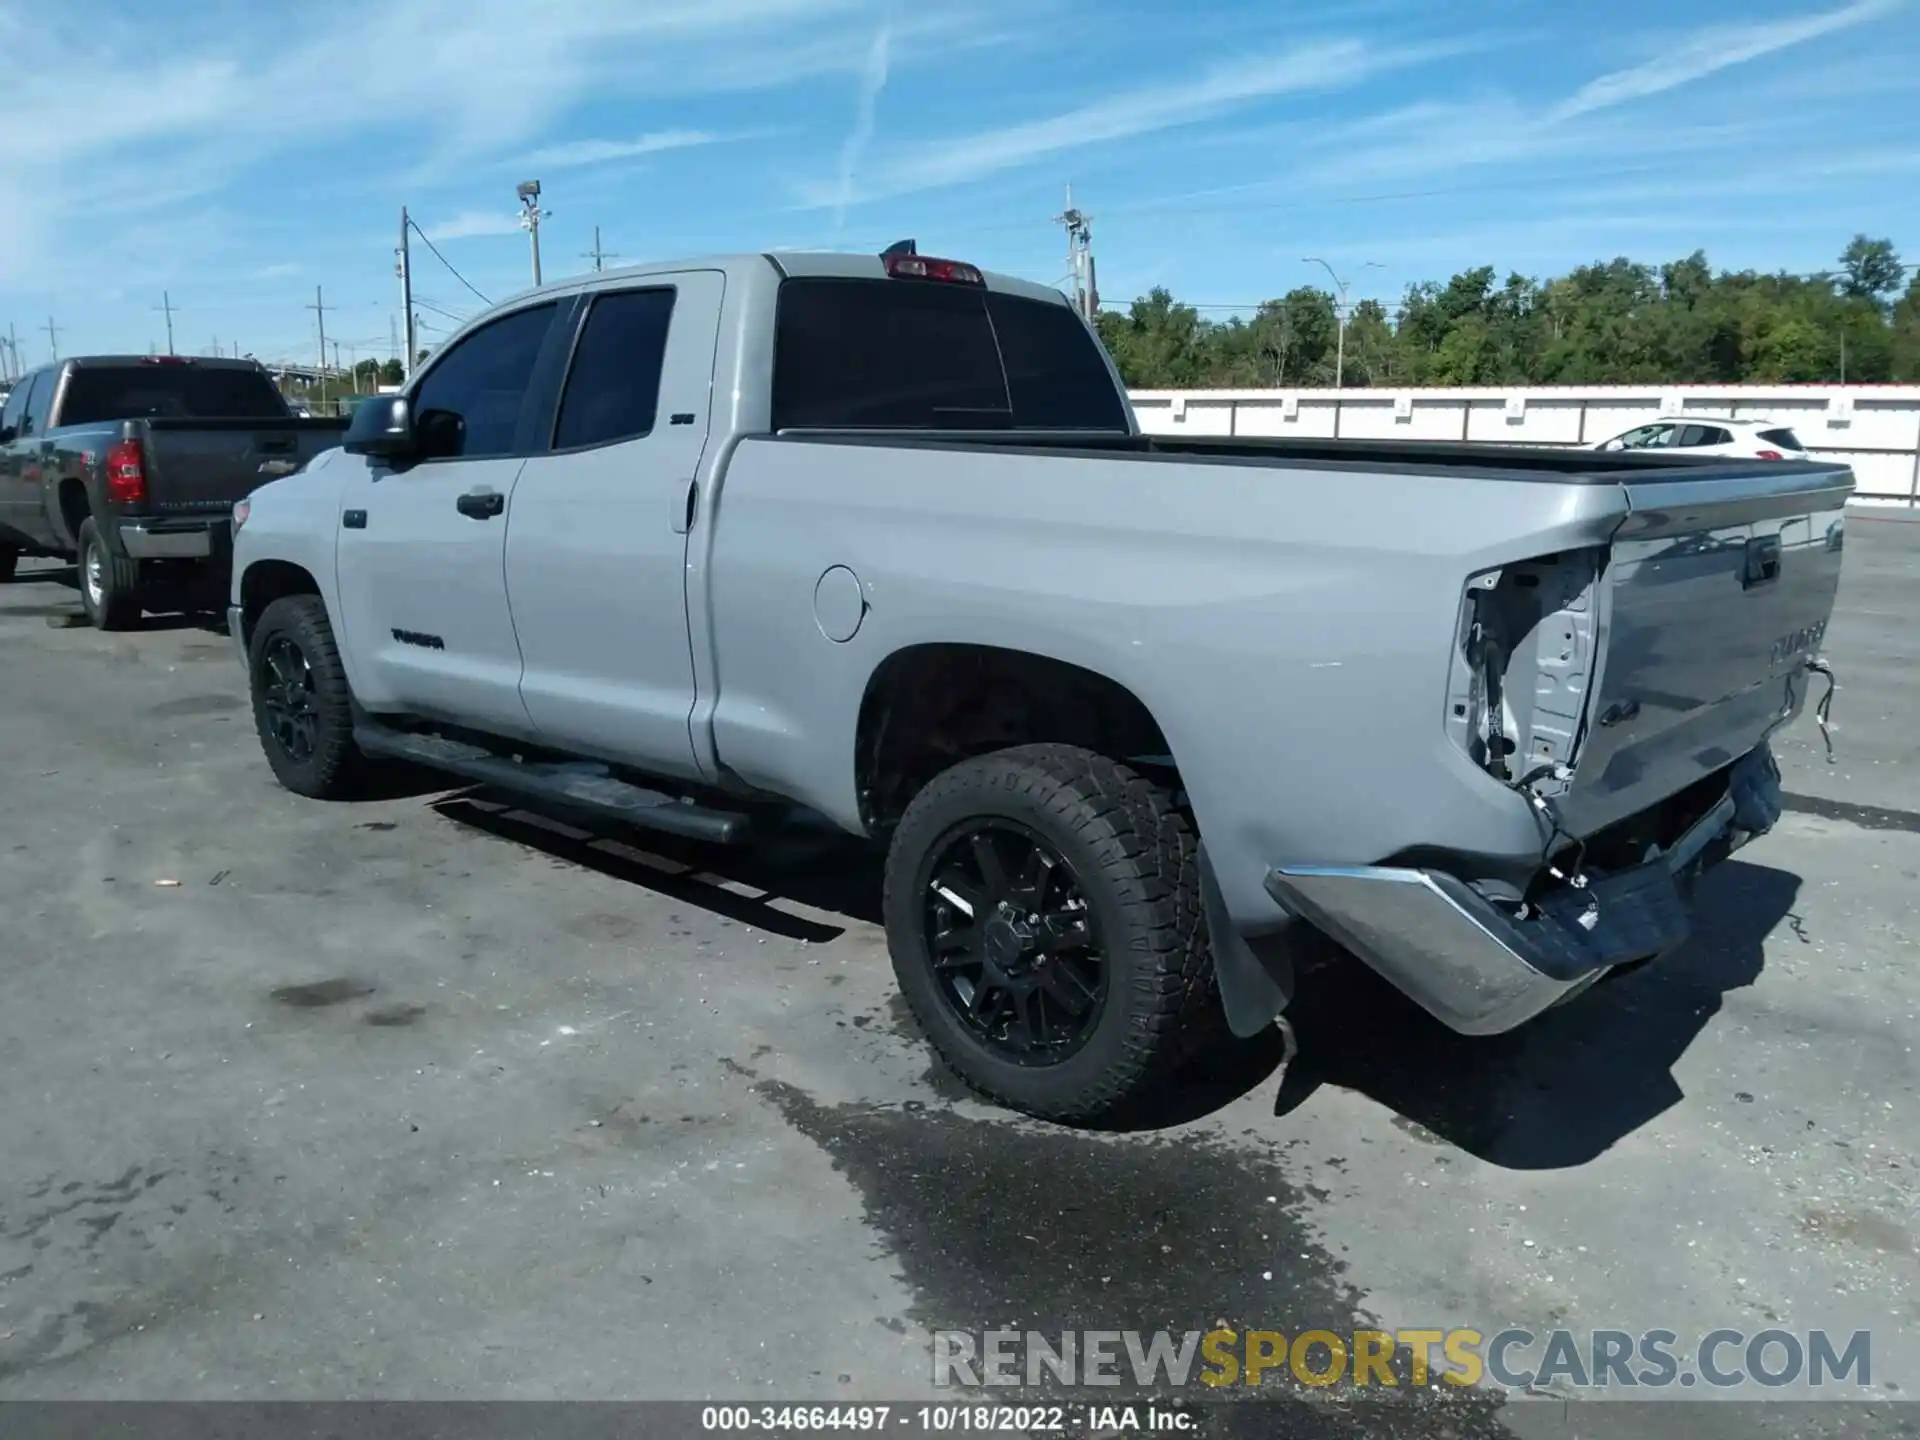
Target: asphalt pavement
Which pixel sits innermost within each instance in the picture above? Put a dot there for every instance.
(426, 1097)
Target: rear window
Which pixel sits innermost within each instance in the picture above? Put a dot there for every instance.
(169, 392)
(913, 355)
(1785, 439)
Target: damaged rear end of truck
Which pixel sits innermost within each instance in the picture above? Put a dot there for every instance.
(1615, 702)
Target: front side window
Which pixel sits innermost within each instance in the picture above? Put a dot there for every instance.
(468, 405)
(613, 386)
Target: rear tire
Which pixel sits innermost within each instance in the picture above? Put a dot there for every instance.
(9, 562)
(302, 706)
(109, 583)
(1125, 866)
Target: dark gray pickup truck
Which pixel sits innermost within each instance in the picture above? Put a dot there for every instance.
(130, 465)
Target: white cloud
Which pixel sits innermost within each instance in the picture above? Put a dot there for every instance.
(599, 152)
(872, 81)
(470, 223)
(1707, 52)
(1129, 113)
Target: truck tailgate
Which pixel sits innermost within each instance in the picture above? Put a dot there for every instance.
(1719, 590)
(203, 466)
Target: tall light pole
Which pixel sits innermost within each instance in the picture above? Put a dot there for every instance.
(530, 217)
(1340, 313)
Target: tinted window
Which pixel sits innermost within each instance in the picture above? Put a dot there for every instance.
(613, 387)
(470, 401)
(1702, 434)
(1785, 439)
(39, 397)
(169, 392)
(901, 354)
(16, 404)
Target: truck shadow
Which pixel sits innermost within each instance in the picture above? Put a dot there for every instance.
(1558, 1091)
(802, 867)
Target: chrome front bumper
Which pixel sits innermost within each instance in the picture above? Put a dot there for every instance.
(1479, 970)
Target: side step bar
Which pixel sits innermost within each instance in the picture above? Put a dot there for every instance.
(578, 785)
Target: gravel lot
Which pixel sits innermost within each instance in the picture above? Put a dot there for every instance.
(426, 1098)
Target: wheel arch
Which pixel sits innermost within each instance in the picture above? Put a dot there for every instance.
(928, 706)
(265, 581)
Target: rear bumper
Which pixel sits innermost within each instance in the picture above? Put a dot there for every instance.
(165, 540)
(1478, 969)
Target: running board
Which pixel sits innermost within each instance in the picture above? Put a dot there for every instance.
(578, 785)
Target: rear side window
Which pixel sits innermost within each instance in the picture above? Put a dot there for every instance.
(1785, 439)
(613, 388)
(907, 355)
(169, 392)
(469, 403)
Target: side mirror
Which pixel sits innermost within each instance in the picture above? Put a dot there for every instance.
(382, 428)
(1615, 444)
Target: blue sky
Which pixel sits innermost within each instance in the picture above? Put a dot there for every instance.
(234, 154)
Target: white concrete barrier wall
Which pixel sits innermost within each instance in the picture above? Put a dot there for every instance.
(1873, 428)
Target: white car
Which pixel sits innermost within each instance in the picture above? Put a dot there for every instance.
(1712, 435)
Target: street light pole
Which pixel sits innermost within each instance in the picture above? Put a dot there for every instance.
(530, 216)
(1340, 315)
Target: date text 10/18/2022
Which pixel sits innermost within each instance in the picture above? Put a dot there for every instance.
(948, 1419)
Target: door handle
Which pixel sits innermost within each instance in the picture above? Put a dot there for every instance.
(481, 504)
(353, 519)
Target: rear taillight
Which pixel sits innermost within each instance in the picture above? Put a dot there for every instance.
(1768, 455)
(241, 510)
(925, 267)
(126, 474)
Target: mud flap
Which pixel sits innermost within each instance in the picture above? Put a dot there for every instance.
(1251, 993)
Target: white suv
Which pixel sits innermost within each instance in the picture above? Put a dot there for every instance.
(1712, 435)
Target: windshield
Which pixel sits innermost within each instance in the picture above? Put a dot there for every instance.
(97, 393)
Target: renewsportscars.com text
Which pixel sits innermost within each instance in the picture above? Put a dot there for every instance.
(1516, 1358)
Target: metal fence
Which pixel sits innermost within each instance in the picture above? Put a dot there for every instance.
(1873, 428)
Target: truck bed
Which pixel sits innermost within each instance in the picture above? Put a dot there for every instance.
(1552, 464)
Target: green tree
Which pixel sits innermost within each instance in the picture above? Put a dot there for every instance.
(392, 372)
(1870, 269)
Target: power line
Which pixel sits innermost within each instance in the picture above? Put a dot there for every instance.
(446, 262)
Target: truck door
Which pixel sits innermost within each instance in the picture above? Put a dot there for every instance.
(597, 549)
(421, 548)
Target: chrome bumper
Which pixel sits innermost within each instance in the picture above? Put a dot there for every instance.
(1480, 971)
(152, 543)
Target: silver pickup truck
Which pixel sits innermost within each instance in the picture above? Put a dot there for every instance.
(877, 538)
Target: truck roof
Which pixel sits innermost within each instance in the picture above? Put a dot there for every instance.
(788, 263)
(210, 362)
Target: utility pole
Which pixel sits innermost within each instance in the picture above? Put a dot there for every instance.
(406, 296)
(1086, 294)
(166, 307)
(530, 217)
(597, 255)
(1339, 313)
(320, 308)
(53, 337)
(13, 344)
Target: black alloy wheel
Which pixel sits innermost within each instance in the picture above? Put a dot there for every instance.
(1015, 951)
(288, 711)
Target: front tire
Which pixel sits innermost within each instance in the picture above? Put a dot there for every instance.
(1043, 912)
(302, 706)
(109, 583)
